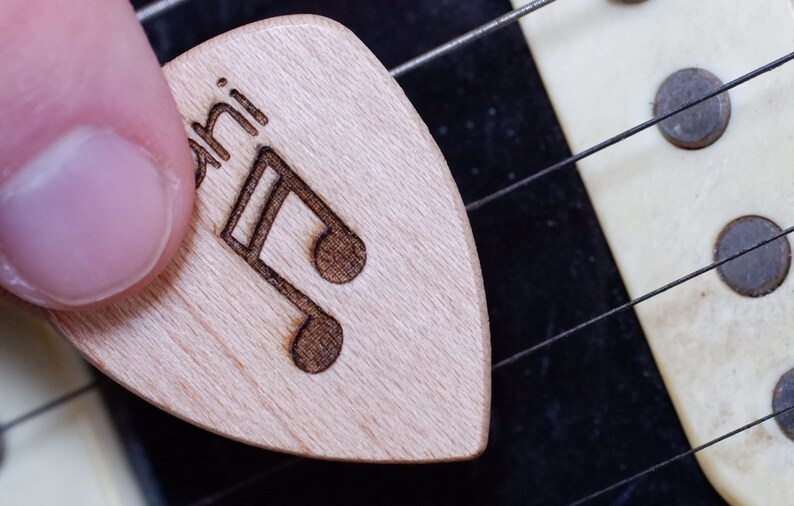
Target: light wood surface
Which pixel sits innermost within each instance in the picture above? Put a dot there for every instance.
(662, 207)
(328, 299)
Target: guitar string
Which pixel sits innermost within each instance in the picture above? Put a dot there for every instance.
(571, 160)
(682, 455)
(48, 406)
(157, 8)
(247, 482)
(468, 37)
(213, 498)
(623, 307)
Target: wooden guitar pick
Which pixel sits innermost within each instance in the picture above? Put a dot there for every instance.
(328, 299)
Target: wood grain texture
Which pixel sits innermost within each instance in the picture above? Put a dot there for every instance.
(304, 142)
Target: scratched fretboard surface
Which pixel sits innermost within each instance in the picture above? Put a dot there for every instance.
(565, 422)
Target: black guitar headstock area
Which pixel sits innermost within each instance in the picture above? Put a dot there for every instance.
(566, 421)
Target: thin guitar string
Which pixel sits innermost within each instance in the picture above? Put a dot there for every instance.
(623, 307)
(155, 9)
(571, 160)
(676, 458)
(247, 482)
(269, 472)
(48, 406)
(468, 37)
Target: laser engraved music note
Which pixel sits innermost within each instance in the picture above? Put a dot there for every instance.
(339, 256)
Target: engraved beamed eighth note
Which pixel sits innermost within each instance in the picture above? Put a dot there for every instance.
(327, 300)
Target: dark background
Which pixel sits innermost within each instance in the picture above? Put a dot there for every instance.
(567, 421)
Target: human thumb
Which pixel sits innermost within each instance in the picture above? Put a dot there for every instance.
(96, 180)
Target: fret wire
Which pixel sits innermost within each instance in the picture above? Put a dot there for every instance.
(676, 458)
(568, 162)
(623, 307)
(48, 406)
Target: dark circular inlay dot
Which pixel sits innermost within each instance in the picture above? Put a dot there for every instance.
(782, 398)
(760, 271)
(698, 126)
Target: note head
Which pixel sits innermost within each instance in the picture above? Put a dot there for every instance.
(327, 301)
(339, 256)
(317, 344)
